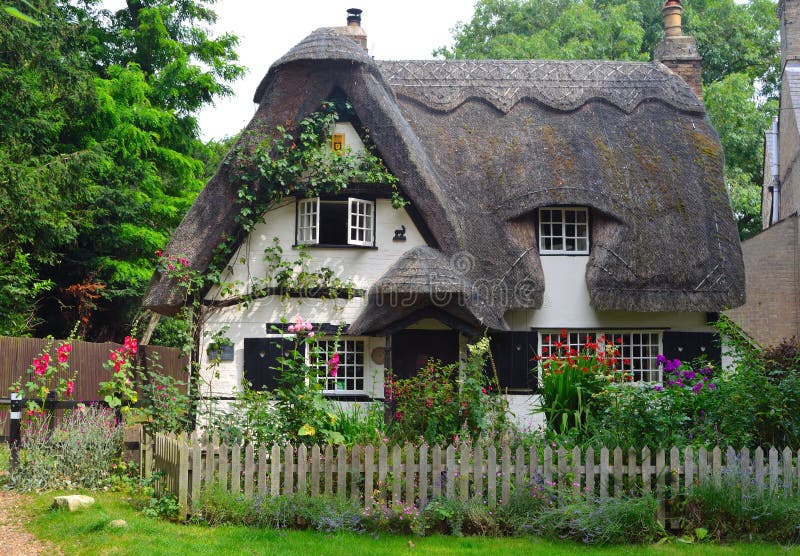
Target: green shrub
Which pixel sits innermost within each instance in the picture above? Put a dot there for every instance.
(571, 377)
(456, 517)
(737, 510)
(524, 505)
(251, 418)
(601, 522)
(360, 424)
(442, 403)
(325, 514)
(80, 451)
(220, 507)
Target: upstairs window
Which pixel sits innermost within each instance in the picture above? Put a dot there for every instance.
(564, 231)
(335, 222)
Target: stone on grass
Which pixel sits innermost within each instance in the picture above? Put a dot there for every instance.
(118, 524)
(73, 502)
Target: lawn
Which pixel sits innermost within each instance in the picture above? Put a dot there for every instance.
(87, 532)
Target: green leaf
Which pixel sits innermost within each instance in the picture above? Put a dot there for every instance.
(14, 12)
(306, 430)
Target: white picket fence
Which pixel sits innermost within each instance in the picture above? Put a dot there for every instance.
(413, 474)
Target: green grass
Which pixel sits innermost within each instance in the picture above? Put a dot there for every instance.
(86, 532)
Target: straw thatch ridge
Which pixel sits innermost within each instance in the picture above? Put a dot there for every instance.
(630, 140)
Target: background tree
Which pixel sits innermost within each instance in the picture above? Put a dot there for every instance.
(100, 154)
(737, 41)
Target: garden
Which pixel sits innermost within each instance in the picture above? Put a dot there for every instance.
(441, 458)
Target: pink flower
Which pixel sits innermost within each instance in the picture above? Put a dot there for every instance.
(70, 387)
(311, 334)
(291, 329)
(333, 365)
(159, 253)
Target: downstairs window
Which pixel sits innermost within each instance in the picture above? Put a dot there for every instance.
(638, 349)
(340, 365)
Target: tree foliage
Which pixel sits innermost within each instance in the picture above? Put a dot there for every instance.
(100, 154)
(738, 43)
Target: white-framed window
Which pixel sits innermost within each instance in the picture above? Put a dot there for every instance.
(307, 221)
(638, 349)
(564, 231)
(350, 371)
(349, 221)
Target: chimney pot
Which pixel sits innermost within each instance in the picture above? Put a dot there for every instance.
(671, 12)
(677, 51)
(354, 17)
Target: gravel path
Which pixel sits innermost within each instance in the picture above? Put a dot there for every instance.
(15, 540)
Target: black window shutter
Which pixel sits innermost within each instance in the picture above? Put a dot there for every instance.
(512, 353)
(688, 346)
(261, 361)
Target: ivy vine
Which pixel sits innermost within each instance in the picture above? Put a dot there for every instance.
(298, 161)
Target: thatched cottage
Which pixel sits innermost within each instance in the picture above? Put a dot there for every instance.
(544, 195)
(772, 257)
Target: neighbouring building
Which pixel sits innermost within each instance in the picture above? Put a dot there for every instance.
(772, 257)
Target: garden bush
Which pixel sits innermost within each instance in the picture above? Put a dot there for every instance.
(572, 377)
(737, 510)
(629, 520)
(443, 403)
(79, 451)
(459, 518)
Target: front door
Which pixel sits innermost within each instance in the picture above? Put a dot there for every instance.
(411, 349)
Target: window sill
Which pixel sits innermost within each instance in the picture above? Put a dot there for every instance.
(565, 254)
(348, 397)
(329, 246)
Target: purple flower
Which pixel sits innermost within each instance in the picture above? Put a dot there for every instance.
(661, 359)
(711, 386)
(689, 375)
(697, 387)
(658, 388)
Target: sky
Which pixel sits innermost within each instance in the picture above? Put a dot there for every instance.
(407, 29)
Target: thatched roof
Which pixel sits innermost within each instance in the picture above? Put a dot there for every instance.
(480, 145)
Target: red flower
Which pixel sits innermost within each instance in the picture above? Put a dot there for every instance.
(619, 339)
(564, 333)
(70, 387)
(159, 253)
(398, 416)
(626, 361)
(546, 339)
(545, 350)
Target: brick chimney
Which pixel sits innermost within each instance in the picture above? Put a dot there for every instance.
(788, 12)
(353, 29)
(678, 51)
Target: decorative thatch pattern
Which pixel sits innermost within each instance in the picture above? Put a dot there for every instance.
(561, 85)
(628, 140)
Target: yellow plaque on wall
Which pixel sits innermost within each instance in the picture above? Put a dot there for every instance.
(337, 143)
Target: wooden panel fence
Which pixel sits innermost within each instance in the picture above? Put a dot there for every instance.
(413, 474)
(87, 358)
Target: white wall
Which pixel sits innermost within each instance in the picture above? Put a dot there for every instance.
(361, 266)
(566, 304)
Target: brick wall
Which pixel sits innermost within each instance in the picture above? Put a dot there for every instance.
(772, 268)
(788, 12)
(689, 71)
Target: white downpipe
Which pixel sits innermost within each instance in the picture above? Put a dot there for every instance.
(772, 139)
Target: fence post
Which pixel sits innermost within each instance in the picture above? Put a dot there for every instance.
(15, 430)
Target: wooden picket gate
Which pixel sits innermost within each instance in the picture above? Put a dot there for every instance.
(411, 475)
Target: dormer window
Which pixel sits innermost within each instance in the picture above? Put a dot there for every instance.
(564, 231)
(336, 222)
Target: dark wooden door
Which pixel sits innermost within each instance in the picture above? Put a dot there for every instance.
(411, 349)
